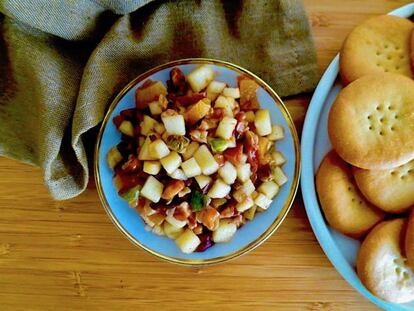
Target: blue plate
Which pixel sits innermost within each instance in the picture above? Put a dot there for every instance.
(340, 249)
(248, 236)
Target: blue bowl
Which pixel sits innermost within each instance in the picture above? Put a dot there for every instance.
(249, 236)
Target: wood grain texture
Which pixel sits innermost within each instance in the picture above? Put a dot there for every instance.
(69, 256)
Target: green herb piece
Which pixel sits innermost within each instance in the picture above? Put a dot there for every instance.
(218, 144)
(131, 196)
(198, 201)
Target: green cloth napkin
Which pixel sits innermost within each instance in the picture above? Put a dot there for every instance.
(62, 61)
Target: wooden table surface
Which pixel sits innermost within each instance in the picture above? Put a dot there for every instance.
(69, 256)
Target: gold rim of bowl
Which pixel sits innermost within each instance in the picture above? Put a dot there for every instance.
(283, 212)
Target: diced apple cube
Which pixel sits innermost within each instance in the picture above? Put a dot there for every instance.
(189, 151)
(232, 92)
(248, 187)
(171, 162)
(225, 231)
(197, 111)
(262, 122)
(249, 116)
(214, 89)
(279, 176)
(147, 125)
(158, 149)
(206, 160)
(219, 190)
(171, 231)
(191, 168)
(262, 201)
(249, 214)
(269, 188)
(278, 132)
(202, 180)
(175, 222)
(243, 172)
(245, 205)
(155, 108)
(200, 77)
(278, 158)
(178, 174)
(228, 173)
(188, 241)
(113, 157)
(226, 127)
(148, 92)
(152, 167)
(174, 123)
(239, 195)
(126, 128)
(144, 152)
(226, 104)
(152, 189)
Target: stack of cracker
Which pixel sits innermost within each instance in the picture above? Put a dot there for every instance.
(366, 184)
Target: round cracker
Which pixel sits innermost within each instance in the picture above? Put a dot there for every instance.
(371, 122)
(409, 240)
(381, 265)
(344, 207)
(391, 190)
(380, 44)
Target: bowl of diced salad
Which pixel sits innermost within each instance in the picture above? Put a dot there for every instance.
(197, 161)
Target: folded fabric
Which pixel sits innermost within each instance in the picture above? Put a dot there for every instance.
(63, 61)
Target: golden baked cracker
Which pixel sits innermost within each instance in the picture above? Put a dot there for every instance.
(391, 190)
(409, 240)
(344, 207)
(371, 123)
(381, 265)
(380, 44)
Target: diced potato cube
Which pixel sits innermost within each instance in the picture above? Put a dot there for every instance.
(248, 187)
(249, 214)
(278, 132)
(147, 125)
(248, 96)
(278, 158)
(148, 92)
(197, 111)
(223, 102)
(171, 231)
(245, 205)
(152, 189)
(174, 124)
(178, 174)
(262, 122)
(144, 152)
(188, 241)
(171, 162)
(225, 231)
(159, 149)
(232, 92)
(226, 127)
(262, 201)
(113, 157)
(189, 151)
(214, 89)
(159, 128)
(191, 168)
(183, 192)
(243, 172)
(219, 190)
(206, 160)
(200, 77)
(250, 116)
(202, 180)
(269, 188)
(279, 176)
(155, 108)
(239, 195)
(152, 167)
(228, 173)
(126, 128)
(175, 222)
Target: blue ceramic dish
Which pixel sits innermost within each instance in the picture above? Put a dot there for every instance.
(340, 249)
(248, 236)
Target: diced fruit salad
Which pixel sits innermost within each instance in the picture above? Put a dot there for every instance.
(197, 158)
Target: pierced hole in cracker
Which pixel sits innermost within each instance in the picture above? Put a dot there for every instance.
(397, 270)
(369, 117)
(389, 57)
(392, 128)
(386, 70)
(392, 173)
(397, 67)
(386, 46)
(370, 128)
(406, 275)
(378, 53)
(402, 56)
(381, 133)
